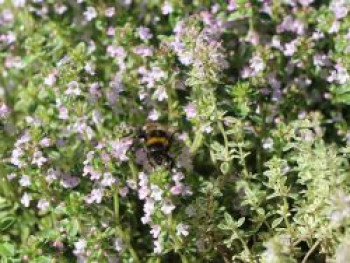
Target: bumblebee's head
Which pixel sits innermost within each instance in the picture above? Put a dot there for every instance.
(159, 159)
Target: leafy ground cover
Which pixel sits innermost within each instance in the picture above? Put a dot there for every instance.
(256, 90)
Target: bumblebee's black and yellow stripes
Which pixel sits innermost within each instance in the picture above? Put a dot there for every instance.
(158, 142)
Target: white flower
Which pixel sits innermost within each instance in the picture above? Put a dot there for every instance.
(50, 79)
(95, 196)
(190, 211)
(118, 244)
(19, 3)
(156, 192)
(182, 230)
(157, 247)
(167, 8)
(79, 247)
(108, 179)
(24, 181)
(160, 94)
(153, 115)
(43, 204)
(25, 200)
(167, 207)
(268, 144)
(90, 13)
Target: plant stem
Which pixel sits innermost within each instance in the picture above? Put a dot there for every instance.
(312, 249)
(118, 228)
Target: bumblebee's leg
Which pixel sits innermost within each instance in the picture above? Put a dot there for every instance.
(170, 161)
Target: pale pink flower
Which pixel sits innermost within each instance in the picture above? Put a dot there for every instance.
(167, 8)
(95, 196)
(50, 79)
(120, 149)
(155, 230)
(160, 93)
(144, 33)
(167, 207)
(157, 247)
(25, 181)
(110, 11)
(191, 111)
(43, 204)
(90, 13)
(182, 230)
(153, 115)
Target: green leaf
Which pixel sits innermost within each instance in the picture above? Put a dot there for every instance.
(225, 167)
(240, 221)
(276, 222)
(7, 250)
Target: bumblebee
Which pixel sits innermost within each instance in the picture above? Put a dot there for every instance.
(157, 141)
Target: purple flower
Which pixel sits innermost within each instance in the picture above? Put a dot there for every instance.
(38, 158)
(63, 113)
(143, 179)
(70, 181)
(340, 8)
(257, 64)
(111, 31)
(4, 111)
(176, 189)
(155, 231)
(120, 149)
(45, 142)
(290, 48)
(108, 180)
(177, 177)
(148, 206)
(190, 111)
(231, 5)
(95, 196)
(15, 157)
(334, 27)
(50, 79)
(143, 51)
(143, 192)
(339, 75)
(73, 89)
(144, 33)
